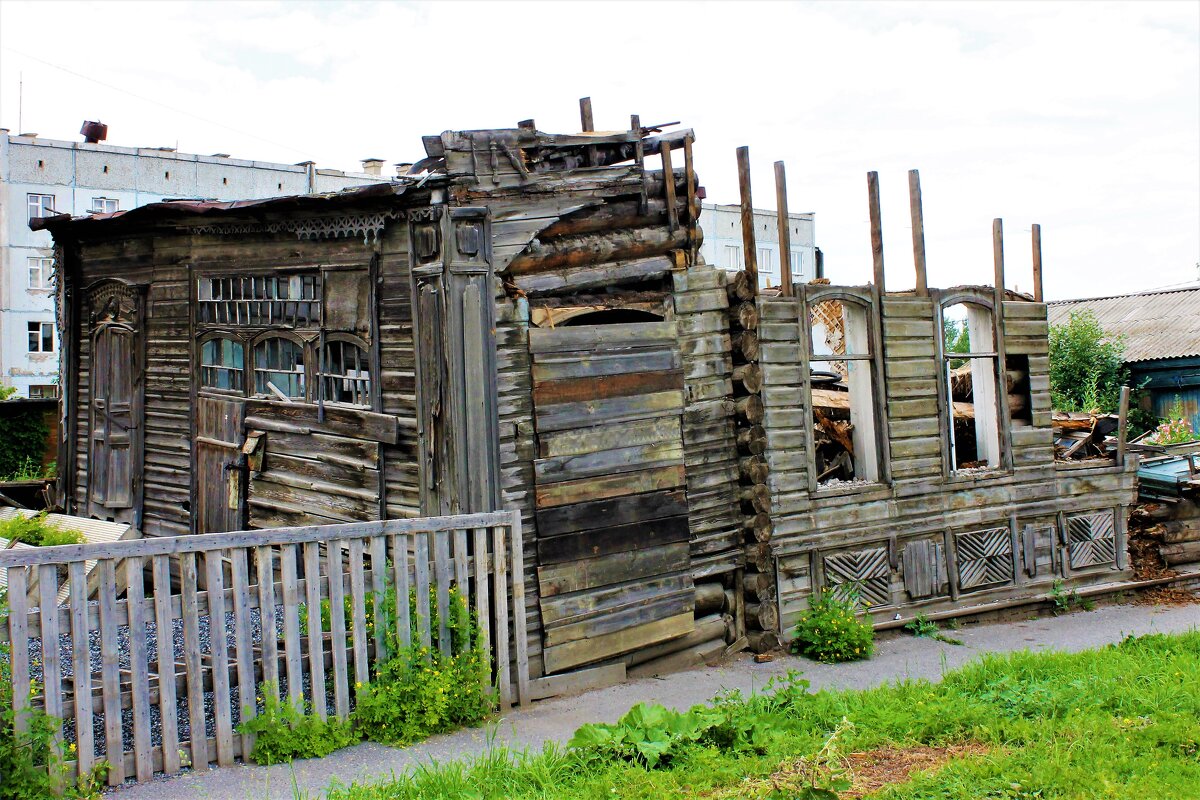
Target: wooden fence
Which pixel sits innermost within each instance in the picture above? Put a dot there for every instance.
(146, 695)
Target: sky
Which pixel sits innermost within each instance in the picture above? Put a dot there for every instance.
(1083, 117)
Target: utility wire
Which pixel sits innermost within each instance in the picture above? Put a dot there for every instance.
(155, 102)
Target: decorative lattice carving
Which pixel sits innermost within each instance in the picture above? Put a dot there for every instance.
(113, 301)
(866, 571)
(1091, 539)
(984, 558)
(365, 225)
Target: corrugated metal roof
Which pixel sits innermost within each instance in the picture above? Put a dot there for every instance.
(1155, 324)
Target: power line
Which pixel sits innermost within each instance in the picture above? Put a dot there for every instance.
(155, 102)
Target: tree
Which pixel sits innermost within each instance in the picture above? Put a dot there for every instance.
(1087, 368)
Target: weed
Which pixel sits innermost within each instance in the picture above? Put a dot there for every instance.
(1066, 601)
(831, 632)
(37, 531)
(284, 731)
(923, 627)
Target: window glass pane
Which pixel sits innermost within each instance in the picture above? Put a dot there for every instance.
(221, 365)
(279, 363)
(47, 337)
(347, 377)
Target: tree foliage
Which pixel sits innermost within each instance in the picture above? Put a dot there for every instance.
(1087, 367)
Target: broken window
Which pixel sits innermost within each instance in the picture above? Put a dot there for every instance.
(281, 299)
(223, 365)
(279, 368)
(969, 369)
(345, 374)
(842, 384)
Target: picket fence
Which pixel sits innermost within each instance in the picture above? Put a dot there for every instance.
(124, 697)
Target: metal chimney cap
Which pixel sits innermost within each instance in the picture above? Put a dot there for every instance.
(93, 131)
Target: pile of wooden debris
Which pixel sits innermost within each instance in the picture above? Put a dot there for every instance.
(1084, 436)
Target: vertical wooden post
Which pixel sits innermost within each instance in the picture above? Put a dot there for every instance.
(1037, 263)
(998, 259)
(918, 231)
(1122, 426)
(693, 213)
(639, 151)
(999, 346)
(751, 259)
(876, 230)
(669, 188)
(585, 114)
(785, 230)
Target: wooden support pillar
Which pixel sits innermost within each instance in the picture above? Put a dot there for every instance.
(585, 115)
(1037, 263)
(876, 230)
(1122, 426)
(999, 344)
(693, 213)
(669, 187)
(635, 127)
(998, 259)
(785, 230)
(748, 243)
(918, 231)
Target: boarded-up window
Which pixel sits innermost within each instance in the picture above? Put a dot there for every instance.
(279, 368)
(345, 374)
(223, 365)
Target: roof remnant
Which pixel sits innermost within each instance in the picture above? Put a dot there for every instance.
(1155, 325)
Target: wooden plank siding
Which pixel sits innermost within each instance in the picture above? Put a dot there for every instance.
(816, 535)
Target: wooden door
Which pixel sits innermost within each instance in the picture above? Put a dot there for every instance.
(115, 457)
(612, 515)
(220, 495)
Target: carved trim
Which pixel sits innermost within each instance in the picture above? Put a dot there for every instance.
(112, 302)
(365, 225)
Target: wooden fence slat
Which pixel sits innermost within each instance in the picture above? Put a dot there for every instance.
(189, 592)
(379, 591)
(316, 632)
(291, 624)
(461, 567)
(110, 672)
(243, 649)
(138, 670)
(81, 668)
(482, 609)
(18, 627)
(51, 660)
(264, 561)
(441, 567)
(219, 652)
(424, 635)
(400, 567)
(337, 626)
(500, 569)
(168, 708)
(520, 634)
(358, 612)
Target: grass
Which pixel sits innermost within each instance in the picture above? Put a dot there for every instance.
(1119, 722)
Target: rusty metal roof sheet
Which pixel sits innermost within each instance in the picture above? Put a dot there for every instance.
(1155, 325)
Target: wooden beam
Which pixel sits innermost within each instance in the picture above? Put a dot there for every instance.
(876, 230)
(693, 209)
(1037, 263)
(635, 127)
(669, 187)
(585, 115)
(1122, 426)
(785, 230)
(918, 231)
(748, 244)
(998, 258)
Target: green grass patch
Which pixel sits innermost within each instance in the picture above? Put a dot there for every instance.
(1119, 722)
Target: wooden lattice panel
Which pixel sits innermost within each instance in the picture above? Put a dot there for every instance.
(984, 558)
(864, 571)
(1091, 540)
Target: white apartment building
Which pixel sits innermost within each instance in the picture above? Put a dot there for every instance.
(41, 177)
(723, 246)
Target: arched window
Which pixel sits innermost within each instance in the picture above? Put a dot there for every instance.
(223, 365)
(279, 368)
(969, 372)
(345, 373)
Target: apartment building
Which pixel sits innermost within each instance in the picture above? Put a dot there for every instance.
(723, 246)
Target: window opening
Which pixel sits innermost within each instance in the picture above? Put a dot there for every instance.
(41, 337)
(105, 205)
(41, 272)
(222, 365)
(279, 368)
(970, 372)
(733, 256)
(347, 374)
(41, 205)
(260, 300)
(43, 391)
(842, 383)
(614, 316)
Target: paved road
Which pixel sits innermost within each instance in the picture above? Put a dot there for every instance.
(897, 657)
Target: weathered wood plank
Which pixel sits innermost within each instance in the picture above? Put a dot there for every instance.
(52, 671)
(168, 708)
(598, 338)
(337, 629)
(576, 390)
(314, 627)
(81, 674)
(201, 755)
(139, 678)
(338, 421)
(581, 364)
(219, 652)
(110, 669)
(568, 492)
(554, 444)
(575, 653)
(358, 612)
(617, 539)
(609, 462)
(291, 623)
(611, 511)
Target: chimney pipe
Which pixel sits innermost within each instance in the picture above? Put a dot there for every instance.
(373, 166)
(93, 132)
(402, 168)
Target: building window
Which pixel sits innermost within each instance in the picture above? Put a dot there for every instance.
(733, 257)
(842, 386)
(797, 262)
(223, 365)
(260, 300)
(105, 205)
(41, 337)
(969, 371)
(43, 391)
(41, 272)
(41, 205)
(345, 374)
(279, 368)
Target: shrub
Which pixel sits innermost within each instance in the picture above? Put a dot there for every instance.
(37, 531)
(830, 631)
(22, 437)
(1176, 428)
(1087, 368)
(285, 731)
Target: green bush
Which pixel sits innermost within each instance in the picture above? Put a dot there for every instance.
(22, 438)
(37, 531)
(1087, 368)
(284, 731)
(830, 632)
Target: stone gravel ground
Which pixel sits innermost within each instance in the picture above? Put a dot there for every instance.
(898, 657)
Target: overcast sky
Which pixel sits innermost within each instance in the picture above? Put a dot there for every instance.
(1084, 117)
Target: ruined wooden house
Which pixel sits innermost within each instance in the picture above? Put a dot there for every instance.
(524, 323)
